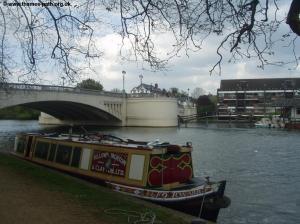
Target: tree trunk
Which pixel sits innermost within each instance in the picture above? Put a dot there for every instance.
(293, 17)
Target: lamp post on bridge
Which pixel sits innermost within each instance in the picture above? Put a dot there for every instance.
(124, 103)
(141, 78)
(123, 75)
(63, 81)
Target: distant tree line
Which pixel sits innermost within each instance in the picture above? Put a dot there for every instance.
(90, 84)
(206, 105)
(19, 113)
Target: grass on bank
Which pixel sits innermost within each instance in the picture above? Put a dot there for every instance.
(92, 196)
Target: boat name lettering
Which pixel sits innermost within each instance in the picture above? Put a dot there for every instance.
(116, 157)
(109, 162)
(155, 194)
(174, 194)
(101, 155)
(102, 169)
(188, 193)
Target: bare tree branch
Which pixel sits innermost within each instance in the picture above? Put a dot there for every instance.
(293, 18)
(62, 36)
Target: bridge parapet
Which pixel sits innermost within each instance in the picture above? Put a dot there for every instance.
(35, 87)
(146, 95)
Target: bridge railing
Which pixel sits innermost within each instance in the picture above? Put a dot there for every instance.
(35, 87)
(147, 95)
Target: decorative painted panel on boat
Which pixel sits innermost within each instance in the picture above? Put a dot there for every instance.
(109, 162)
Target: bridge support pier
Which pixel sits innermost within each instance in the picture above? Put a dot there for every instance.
(124, 111)
(46, 119)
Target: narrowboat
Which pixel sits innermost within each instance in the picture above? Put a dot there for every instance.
(158, 172)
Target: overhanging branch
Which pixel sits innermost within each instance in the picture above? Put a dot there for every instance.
(293, 17)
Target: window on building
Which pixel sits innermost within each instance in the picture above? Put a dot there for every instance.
(229, 95)
(280, 94)
(41, 150)
(63, 154)
(298, 110)
(231, 103)
(268, 96)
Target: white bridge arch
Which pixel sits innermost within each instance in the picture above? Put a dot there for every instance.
(66, 103)
(78, 106)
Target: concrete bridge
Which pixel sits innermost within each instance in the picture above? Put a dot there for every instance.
(68, 105)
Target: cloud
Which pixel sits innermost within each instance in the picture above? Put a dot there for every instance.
(183, 71)
(186, 71)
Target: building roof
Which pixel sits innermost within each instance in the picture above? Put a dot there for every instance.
(260, 84)
(150, 88)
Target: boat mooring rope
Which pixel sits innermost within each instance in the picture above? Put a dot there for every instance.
(203, 198)
(134, 217)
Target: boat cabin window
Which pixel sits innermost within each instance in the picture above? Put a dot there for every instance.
(76, 157)
(63, 154)
(21, 145)
(41, 150)
(52, 152)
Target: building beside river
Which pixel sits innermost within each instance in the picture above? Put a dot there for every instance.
(260, 97)
(146, 89)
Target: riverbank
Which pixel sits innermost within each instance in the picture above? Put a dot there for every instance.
(34, 194)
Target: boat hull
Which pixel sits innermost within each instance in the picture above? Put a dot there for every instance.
(204, 200)
(292, 125)
(206, 208)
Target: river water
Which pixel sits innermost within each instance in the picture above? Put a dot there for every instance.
(261, 166)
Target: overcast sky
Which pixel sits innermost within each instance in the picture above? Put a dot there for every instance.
(182, 72)
(193, 71)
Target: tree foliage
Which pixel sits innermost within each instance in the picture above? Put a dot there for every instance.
(19, 113)
(116, 90)
(174, 91)
(62, 33)
(90, 84)
(205, 105)
(198, 91)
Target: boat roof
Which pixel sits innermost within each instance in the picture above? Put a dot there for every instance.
(108, 140)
